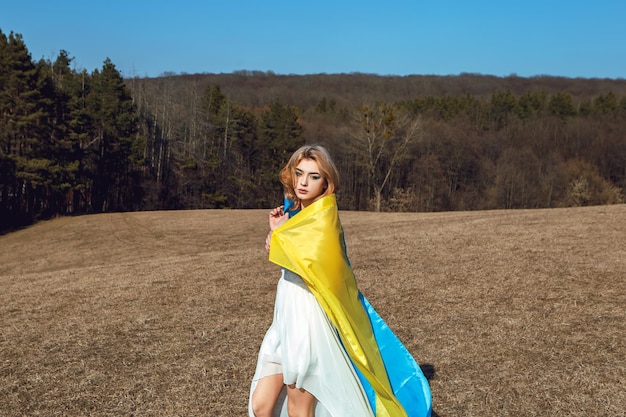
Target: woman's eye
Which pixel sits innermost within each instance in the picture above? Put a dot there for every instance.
(315, 177)
(298, 174)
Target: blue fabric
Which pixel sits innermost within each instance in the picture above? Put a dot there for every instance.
(288, 207)
(406, 377)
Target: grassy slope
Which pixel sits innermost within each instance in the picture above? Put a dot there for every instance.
(161, 313)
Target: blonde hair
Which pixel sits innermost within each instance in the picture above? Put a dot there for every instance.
(327, 168)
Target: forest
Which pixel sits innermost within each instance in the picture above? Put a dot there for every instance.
(75, 142)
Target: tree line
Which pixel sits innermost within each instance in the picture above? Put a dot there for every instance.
(74, 142)
(525, 143)
(69, 140)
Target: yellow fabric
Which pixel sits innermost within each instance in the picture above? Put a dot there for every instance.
(311, 245)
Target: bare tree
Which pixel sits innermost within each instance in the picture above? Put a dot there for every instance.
(381, 136)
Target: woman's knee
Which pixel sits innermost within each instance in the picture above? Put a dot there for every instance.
(261, 408)
(265, 395)
(299, 411)
(300, 403)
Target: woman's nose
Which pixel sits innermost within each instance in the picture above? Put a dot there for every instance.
(303, 180)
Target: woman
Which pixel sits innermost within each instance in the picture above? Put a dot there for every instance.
(327, 352)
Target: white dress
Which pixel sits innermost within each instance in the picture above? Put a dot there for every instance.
(303, 345)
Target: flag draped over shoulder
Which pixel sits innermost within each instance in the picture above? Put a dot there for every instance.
(311, 245)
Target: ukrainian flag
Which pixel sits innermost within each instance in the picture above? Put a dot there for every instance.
(311, 245)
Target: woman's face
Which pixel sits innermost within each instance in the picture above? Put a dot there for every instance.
(309, 184)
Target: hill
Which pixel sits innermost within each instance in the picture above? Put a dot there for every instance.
(161, 313)
(255, 88)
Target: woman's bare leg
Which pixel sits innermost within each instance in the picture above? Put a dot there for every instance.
(300, 403)
(265, 395)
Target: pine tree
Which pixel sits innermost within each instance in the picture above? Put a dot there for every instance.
(116, 146)
(72, 129)
(280, 135)
(23, 153)
(243, 160)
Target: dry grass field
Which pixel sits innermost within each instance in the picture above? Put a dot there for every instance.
(511, 313)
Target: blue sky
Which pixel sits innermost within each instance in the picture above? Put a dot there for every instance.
(147, 38)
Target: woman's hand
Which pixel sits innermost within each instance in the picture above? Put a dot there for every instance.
(277, 217)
